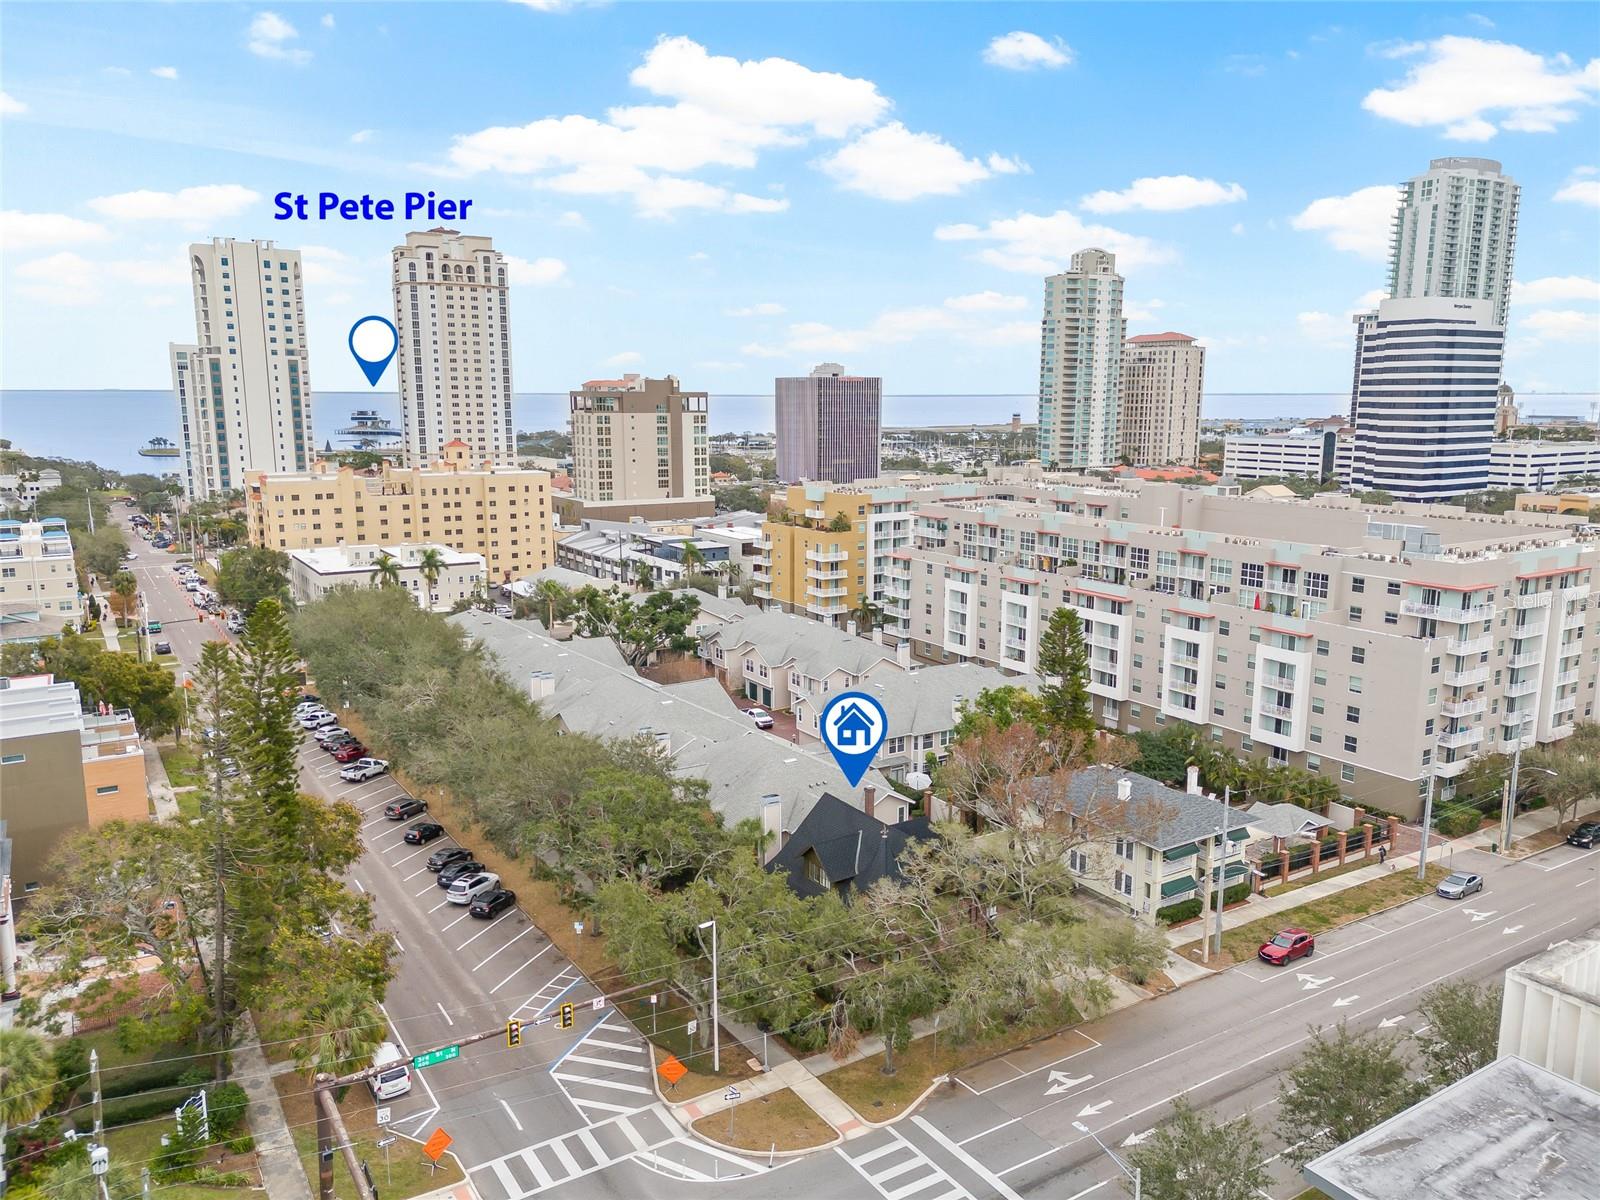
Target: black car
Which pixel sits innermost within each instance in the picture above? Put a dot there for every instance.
(449, 856)
(308, 698)
(422, 832)
(1585, 836)
(163, 647)
(464, 866)
(402, 810)
(490, 903)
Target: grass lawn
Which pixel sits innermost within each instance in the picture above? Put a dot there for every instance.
(1546, 838)
(781, 1120)
(1330, 912)
(671, 1037)
(1277, 889)
(409, 1173)
(136, 1146)
(183, 770)
(877, 1097)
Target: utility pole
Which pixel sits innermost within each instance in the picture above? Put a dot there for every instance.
(1511, 799)
(322, 1087)
(1427, 826)
(94, 1082)
(1222, 875)
(716, 1015)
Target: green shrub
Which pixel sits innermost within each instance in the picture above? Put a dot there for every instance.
(1457, 822)
(227, 1103)
(71, 1059)
(1234, 893)
(125, 1110)
(242, 1144)
(1183, 910)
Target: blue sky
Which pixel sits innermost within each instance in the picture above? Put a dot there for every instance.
(733, 191)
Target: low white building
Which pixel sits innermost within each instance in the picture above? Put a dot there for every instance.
(315, 572)
(1536, 465)
(38, 580)
(1322, 450)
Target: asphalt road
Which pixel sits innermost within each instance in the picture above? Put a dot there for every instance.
(570, 1111)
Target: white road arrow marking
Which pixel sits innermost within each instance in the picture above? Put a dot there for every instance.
(1133, 1139)
(1390, 1022)
(1553, 945)
(1060, 1082)
(1512, 929)
(1311, 982)
(1479, 916)
(1091, 1110)
(1343, 1000)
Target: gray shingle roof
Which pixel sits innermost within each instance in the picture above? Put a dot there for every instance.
(925, 700)
(1174, 818)
(595, 692)
(1284, 820)
(785, 637)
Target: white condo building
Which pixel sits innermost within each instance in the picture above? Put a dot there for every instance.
(1426, 391)
(1455, 234)
(1080, 364)
(243, 385)
(452, 313)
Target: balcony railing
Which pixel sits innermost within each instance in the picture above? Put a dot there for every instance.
(1531, 599)
(1566, 677)
(1578, 591)
(814, 573)
(1275, 710)
(1522, 687)
(1463, 646)
(1464, 708)
(1461, 737)
(1449, 770)
(1462, 679)
(827, 556)
(1531, 658)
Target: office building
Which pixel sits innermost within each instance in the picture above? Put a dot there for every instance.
(243, 385)
(500, 513)
(38, 580)
(451, 310)
(62, 769)
(1163, 375)
(1426, 392)
(315, 573)
(1455, 235)
(1080, 364)
(1534, 465)
(639, 448)
(1321, 449)
(828, 425)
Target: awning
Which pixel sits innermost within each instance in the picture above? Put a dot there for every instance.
(1176, 887)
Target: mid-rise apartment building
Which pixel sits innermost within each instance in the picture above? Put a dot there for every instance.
(640, 448)
(243, 385)
(1375, 645)
(1426, 392)
(1163, 377)
(38, 580)
(62, 769)
(455, 576)
(1080, 364)
(452, 314)
(1455, 234)
(814, 558)
(828, 425)
(1322, 450)
(502, 514)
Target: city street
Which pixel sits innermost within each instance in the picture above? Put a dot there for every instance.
(574, 1112)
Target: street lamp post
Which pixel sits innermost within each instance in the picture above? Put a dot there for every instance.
(1132, 1173)
(716, 1015)
(1427, 827)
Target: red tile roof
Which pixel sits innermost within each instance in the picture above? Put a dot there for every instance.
(1162, 337)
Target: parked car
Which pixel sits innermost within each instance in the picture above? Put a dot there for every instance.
(329, 734)
(448, 857)
(235, 623)
(349, 752)
(318, 720)
(469, 887)
(1585, 835)
(163, 647)
(423, 832)
(130, 556)
(335, 744)
(459, 870)
(308, 698)
(1287, 946)
(502, 610)
(401, 810)
(1460, 885)
(392, 1076)
(760, 716)
(364, 769)
(490, 903)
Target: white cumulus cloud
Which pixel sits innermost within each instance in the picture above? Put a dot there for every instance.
(1164, 193)
(626, 358)
(1043, 243)
(164, 72)
(70, 280)
(30, 231)
(10, 106)
(270, 36)
(1581, 188)
(192, 206)
(1561, 325)
(893, 163)
(1023, 51)
(965, 319)
(767, 308)
(362, 136)
(1471, 88)
(1555, 289)
(539, 272)
(986, 302)
(1358, 222)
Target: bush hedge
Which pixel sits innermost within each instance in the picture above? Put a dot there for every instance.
(1458, 822)
(1184, 910)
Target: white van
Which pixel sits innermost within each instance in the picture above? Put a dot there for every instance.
(392, 1076)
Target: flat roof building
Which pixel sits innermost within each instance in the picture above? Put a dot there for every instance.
(314, 573)
(38, 580)
(640, 442)
(828, 425)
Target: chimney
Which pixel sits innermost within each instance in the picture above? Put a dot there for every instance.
(877, 637)
(1124, 789)
(541, 685)
(1193, 785)
(956, 703)
(771, 826)
(869, 800)
(850, 628)
(902, 652)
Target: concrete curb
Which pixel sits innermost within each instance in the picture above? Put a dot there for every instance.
(938, 1081)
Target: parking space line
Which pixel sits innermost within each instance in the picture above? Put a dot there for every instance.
(409, 857)
(484, 930)
(440, 905)
(448, 1018)
(426, 890)
(508, 978)
(523, 934)
(459, 919)
(414, 874)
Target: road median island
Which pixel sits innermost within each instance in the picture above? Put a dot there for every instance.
(1318, 916)
(780, 1120)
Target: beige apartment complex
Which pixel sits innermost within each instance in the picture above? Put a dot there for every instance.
(1163, 375)
(806, 564)
(451, 311)
(500, 513)
(640, 447)
(38, 579)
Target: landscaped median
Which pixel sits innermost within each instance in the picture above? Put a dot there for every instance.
(1240, 943)
(777, 1122)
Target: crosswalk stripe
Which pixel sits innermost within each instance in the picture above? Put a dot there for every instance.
(632, 1134)
(861, 1160)
(507, 1179)
(631, 1047)
(605, 1062)
(613, 1084)
(593, 1146)
(567, 1161)
(544, 1177)
(899, 1169)
(602, 1106)
(918, 1185)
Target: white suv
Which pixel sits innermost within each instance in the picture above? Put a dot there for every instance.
(469, 887)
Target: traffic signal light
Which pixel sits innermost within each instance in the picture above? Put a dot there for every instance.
(568, 1015)
(513, 1032)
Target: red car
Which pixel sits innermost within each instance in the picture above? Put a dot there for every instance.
(349, 752)
(1289, 945)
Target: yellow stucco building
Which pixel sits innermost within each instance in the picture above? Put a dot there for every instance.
(807, 564)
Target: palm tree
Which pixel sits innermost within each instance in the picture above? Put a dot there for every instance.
(553, 595)
(431, 563)
(733, 572)
(644, 575)
(694, 561)
(126, 589)
(866, 614)
(386, 568)
(27, 1076)
(339, 1032)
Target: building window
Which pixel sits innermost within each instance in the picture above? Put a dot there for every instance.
(109, 790)
(1358, 654)
(1358, 584)
(1349, 743)
(1352, 714)
(1355, 612)
(9, 759)
(1347, 773)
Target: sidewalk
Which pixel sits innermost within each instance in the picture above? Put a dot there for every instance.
(281, 1172)
(162, 798)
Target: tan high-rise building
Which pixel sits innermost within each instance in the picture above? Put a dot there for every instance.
(454, 356)
(639, 440)
(815, 560)
(500, 513)
(243, 385)
(1162, 379)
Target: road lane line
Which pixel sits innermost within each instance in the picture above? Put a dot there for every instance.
(1087, 1190)
(523, 934)
(529, 963)
(357, 882)
(448, 1018)
(972, 1164)
(991, 1129)
(512, 1115)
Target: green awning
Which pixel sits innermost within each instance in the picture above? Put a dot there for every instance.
(1176, 887)
(1235, 869)
(1180, 851)
(1238, 835)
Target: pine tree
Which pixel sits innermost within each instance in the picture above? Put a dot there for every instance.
(1064, 666)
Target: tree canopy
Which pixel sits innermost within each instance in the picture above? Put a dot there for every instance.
(248, 575)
